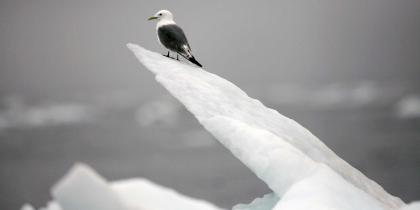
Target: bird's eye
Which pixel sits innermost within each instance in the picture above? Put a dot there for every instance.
(160, 14)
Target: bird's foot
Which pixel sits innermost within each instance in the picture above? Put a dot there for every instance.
(168, 56)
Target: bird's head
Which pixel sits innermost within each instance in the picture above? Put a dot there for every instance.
(162, 15)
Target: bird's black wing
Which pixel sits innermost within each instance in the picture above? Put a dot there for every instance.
(172, 37)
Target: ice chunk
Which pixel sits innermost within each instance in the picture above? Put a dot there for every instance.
(143, 194)
(226, 111)
(408, 107)
(82, 188)
(273, 159)
(27, 207)
(324, 190)
(50, 206)
(267, 202)
(289, 173)
(163, 110)
(412, 206)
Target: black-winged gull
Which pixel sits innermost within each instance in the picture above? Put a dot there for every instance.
(172, 36)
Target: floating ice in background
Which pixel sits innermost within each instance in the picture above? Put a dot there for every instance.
(408, 107)
(332, 96)
(18, 114)
(15, 112)
(329, 96)
(164, 110)
(197, 139)
(277, 149)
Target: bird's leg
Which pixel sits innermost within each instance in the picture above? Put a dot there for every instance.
(166, 55)
(177, 58)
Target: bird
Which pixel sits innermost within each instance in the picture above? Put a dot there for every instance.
(172, 37)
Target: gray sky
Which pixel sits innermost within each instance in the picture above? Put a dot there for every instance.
(58, 48)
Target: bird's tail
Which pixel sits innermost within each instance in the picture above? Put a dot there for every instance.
(192, 60)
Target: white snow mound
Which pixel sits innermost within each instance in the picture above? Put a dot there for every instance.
(83, 189)
(290, 159)
(412, 206)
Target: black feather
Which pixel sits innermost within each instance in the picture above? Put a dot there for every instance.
(192, 60)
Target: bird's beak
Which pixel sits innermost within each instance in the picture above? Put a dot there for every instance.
(152, 18)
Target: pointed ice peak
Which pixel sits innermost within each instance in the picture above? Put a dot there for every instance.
(82, 188)
(277, 149)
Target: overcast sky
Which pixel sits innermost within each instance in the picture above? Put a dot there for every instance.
(59, 48)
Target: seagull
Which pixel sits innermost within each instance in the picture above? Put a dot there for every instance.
(172, 37)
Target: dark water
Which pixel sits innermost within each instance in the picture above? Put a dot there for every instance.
(184, 157)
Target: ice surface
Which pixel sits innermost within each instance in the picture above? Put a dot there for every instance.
(83, 189)
(325, 189)
(267, 202)
(155, 197)
(277, 149)
(412, 206)
(50, 206)
(27, 207)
